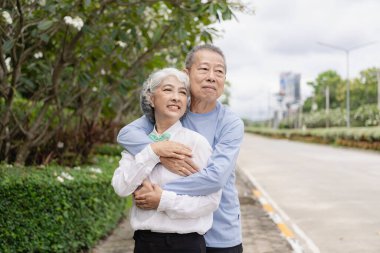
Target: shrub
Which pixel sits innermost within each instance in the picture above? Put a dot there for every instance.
(39, 213)
(359, 137)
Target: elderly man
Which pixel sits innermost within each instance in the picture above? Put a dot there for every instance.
(206, 67)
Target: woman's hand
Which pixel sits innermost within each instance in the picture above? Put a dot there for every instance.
(183, 167)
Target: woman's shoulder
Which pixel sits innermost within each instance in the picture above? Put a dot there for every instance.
(193, 138)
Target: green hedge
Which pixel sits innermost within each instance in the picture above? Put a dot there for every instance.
(39, 213)
(359, 137)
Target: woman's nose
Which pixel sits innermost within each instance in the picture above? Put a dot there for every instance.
(175, 96)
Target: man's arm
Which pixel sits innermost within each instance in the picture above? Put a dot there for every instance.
(134, 136)
(178, 206)
(219, 168)
(184, 206)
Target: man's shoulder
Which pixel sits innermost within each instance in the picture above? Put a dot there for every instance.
(227, 116)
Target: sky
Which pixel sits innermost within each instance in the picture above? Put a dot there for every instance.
(284, 35)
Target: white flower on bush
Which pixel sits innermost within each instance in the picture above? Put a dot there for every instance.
(60, 179)
(38, 55)
(103, 72)
(60, 144)
(121, 43)
(8, 64)
(94, 89)
(7, 17)
(42, 2)
(76, 22)
(96, 170)
(67, 176)
(76, 168)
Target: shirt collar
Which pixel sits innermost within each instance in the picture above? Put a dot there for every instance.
(171, 130)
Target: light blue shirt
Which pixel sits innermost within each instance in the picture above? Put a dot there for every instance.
(224, 131)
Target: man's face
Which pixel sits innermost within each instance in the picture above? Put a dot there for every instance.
(207, 75)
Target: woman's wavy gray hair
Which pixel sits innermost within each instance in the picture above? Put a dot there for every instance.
(151, 84)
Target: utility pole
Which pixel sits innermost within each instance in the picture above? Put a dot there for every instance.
(378, 89)
(327, 95)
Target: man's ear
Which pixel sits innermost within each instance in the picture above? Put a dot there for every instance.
(186, 71)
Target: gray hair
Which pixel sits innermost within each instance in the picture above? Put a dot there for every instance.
(154, 81)
(190, 56)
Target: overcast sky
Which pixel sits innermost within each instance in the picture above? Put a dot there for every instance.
(283, 35)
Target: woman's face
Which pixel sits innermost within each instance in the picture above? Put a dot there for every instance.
(169, 99)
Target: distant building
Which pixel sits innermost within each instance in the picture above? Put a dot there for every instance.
(288, 97)
(290, 88)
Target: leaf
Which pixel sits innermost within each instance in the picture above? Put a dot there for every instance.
(8, 46)
(44, 37)
(43, 25)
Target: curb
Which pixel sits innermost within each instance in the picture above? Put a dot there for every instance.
(284, 229)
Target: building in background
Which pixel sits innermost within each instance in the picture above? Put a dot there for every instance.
(288, 97)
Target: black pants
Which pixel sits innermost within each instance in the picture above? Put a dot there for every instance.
(235, 249)
(151, 242)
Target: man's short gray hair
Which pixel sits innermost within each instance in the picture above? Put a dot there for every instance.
(153, 81)
(190, 56)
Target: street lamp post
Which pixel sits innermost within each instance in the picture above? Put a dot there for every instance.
(378, 89)
(347, 52)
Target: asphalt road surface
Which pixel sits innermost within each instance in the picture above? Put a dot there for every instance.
(328, 196)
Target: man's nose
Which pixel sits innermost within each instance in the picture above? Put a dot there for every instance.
(211, 76)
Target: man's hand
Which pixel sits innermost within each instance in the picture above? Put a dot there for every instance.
(149, 200)
(183, 167)
(145, 187)
(171, 149)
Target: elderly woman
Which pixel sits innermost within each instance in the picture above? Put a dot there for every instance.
(179, 222)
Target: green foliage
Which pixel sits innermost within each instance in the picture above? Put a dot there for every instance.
(363, 91)
(364, 138)
(108, 149)
(367, 115)
(333, 81)
(41, 214)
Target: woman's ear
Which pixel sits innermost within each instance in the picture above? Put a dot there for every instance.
(151, 100)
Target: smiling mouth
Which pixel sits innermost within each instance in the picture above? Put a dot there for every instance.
(174, 106)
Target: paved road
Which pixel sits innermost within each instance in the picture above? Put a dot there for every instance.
(329, 196)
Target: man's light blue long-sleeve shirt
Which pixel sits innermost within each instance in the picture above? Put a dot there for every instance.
(224, 131)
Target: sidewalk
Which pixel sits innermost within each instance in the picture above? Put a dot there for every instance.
(260, 234)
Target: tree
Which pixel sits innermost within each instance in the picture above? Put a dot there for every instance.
(333, 81)
(364, 89)
(70, 69)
